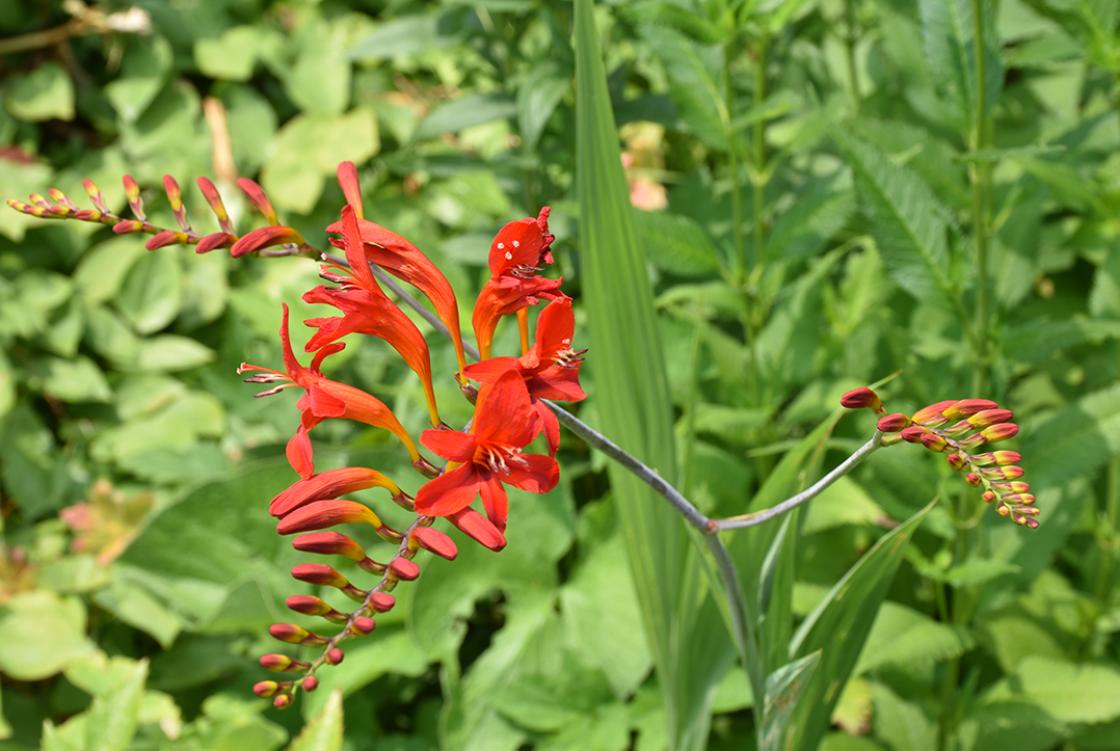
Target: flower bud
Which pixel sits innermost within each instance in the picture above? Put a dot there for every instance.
(958, 430)
(363, 624)
(214, 241)
(382, 602)
(1012, 472)
(913, 434)
(931, 414)
(293, 634)
(329, 543)
(310, 683)
(322, 514)
(1024, 498)
(933, 442)
(956, 461)
(94, 194)
(311, 605)
(1012, 487)
(265, 689)
(987, 417)
(893, 423)
(478, 528)
(988, 496)
(999, 432)
(319, 573)
(265, 237)
(334, 655)
(279, 663)
(434, 541)
(965, 407)
(282, 701)
(135, 202)
(259, 199)
(402, 568)
(860, 398)
(972, 479)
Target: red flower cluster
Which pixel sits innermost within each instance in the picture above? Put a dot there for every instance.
(960, 427)
(509, 411)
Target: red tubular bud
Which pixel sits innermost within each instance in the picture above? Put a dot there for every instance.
(1003, 473)
(135, 202)
(402, 568)
(1024, 498)
(310, 683)
(59, 197)
(319, 573)
(175, 199)
(265, 237)
(214, 241)
(1003, 509)
(265, 689)
(913, 434)
(94, 194)
(165, 238)
(1006, 457)
(932, 414)
(987, 417)
(1012, 487)
(966, 407)
(971, 442)
(214, 198)
(320, 514)
(972, 479)
(1000, 432)
(330, 543)
(893, 423)
(956, 461)
(334, 655)
(933, 442)
(257, 195)
(279, 663)
(293, 634)
(860, 398)
(128, 226)
(363, 624)
(311, 605)
(988, 496)
(382, 602)
(282, 701)
(478, 528)
(351, 188)
(434, 541)
(1031, 523)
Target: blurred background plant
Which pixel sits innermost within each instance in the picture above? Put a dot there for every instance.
(824, 191)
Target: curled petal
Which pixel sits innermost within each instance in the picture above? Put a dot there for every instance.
(259, 199)
(347, 174)
(535, 473)
(454, 445)
(503, 295)
(504, 413)
(450, 492)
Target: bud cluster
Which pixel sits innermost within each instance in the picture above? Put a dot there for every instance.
(959, 428)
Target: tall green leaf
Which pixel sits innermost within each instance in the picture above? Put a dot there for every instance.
(838, 628)
(688, 644)
(908, 222)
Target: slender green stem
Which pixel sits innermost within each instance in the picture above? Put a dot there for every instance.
(851, 36)
(741, 259)
(760, 175)
(980, 176)
(1109, 540)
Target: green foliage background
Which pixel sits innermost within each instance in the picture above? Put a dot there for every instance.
(821, 175)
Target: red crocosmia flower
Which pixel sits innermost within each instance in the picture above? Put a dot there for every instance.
(550, 368)
(405, 261)
(323, 399)
(367, 310)
(522, 246)
(328, 486)
(490, 455)
(506, 294)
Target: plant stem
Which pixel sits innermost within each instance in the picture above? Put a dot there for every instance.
(759, 173)
(850, 39)
(979, 172)
(741, 259)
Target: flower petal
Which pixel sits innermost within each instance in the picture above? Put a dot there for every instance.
(536, 474)
(489, 370)
(448, 493)
(496, 502)
(453, 445)
(504, 413)
(329, 484)
(299, 453)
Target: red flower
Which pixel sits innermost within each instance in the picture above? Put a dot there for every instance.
(402, 259)
(490, 455)
(518, 251)
(550, 369)
(327, 486)
(323, 399)
(367, 310)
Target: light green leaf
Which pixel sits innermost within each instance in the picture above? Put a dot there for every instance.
(230, 56)
(691, 84)
(537, 98)
(144, 71)
(324, 732)
(152, 292)
(114, 716)
(404, 36)
(169, 353)
(465, 112)
(319, 82)
(1071, 692)
(102, 270)
(76, 380)
(908, 222)
(46, 93)
(676, 243)
(40, 634)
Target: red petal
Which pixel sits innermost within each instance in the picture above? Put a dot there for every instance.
(478, 528)
(453, 445)
(489, 370)
(263, 238)
(551, 426)
(448, 493)
(299, 453)
(324, 404)
(347, 174)
(323, 514)
(518, 243)
(329, 484)
(504, 413)
(555, 327)
(496, 503)
(538, 474)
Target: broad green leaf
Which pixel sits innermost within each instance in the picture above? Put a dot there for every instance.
(687, 641)
(115, 715)
(908, 222)
(319, 81)
(169, 353)
(1070, 692)
(900, 723)
(676, 243)
(839, 626)
(144, 72)
(820, 210)
(465, 112)
(691, 84)
(40, 634)
(230, 56)
(1021, 725)
(909, 639)
(46, 93)
(102, 270)
(152, 292)
(537, 98)
(406, 35)
(76, 380)
(324, 732)
(1075, 441)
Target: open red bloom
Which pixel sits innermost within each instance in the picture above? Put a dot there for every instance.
(367, 310)
(502, 295)
(481, 461)
(322, 399)
(521, 246)
(403, 260)
(550, 369)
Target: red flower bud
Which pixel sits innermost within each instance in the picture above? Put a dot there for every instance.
(893, 423)
(319, 573)
(265, 237)
(310, 683)
(966, 407)
(933, 442)
(913, 434)
(311, 605)
(382, 602)
(282, 701)
(956, 461)
(478, 528)
(1024, 498)
(214, 241)
(972, 479)
(334, 655)
(999, 432)
(322, 514)
(259, 199)
(988, 496)
(403, 568)
(330, 543)
(434, 541)
(265, 689)
(293, 634)
(363, 624)
(1012, 472)
(932, 414)
(860, 398)
(988, 417)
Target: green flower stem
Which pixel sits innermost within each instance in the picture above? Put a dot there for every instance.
(979, 173)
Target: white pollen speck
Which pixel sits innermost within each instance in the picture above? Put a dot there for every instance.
(516, 244)
(509, 256)
(501, 246)
(567, 340)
